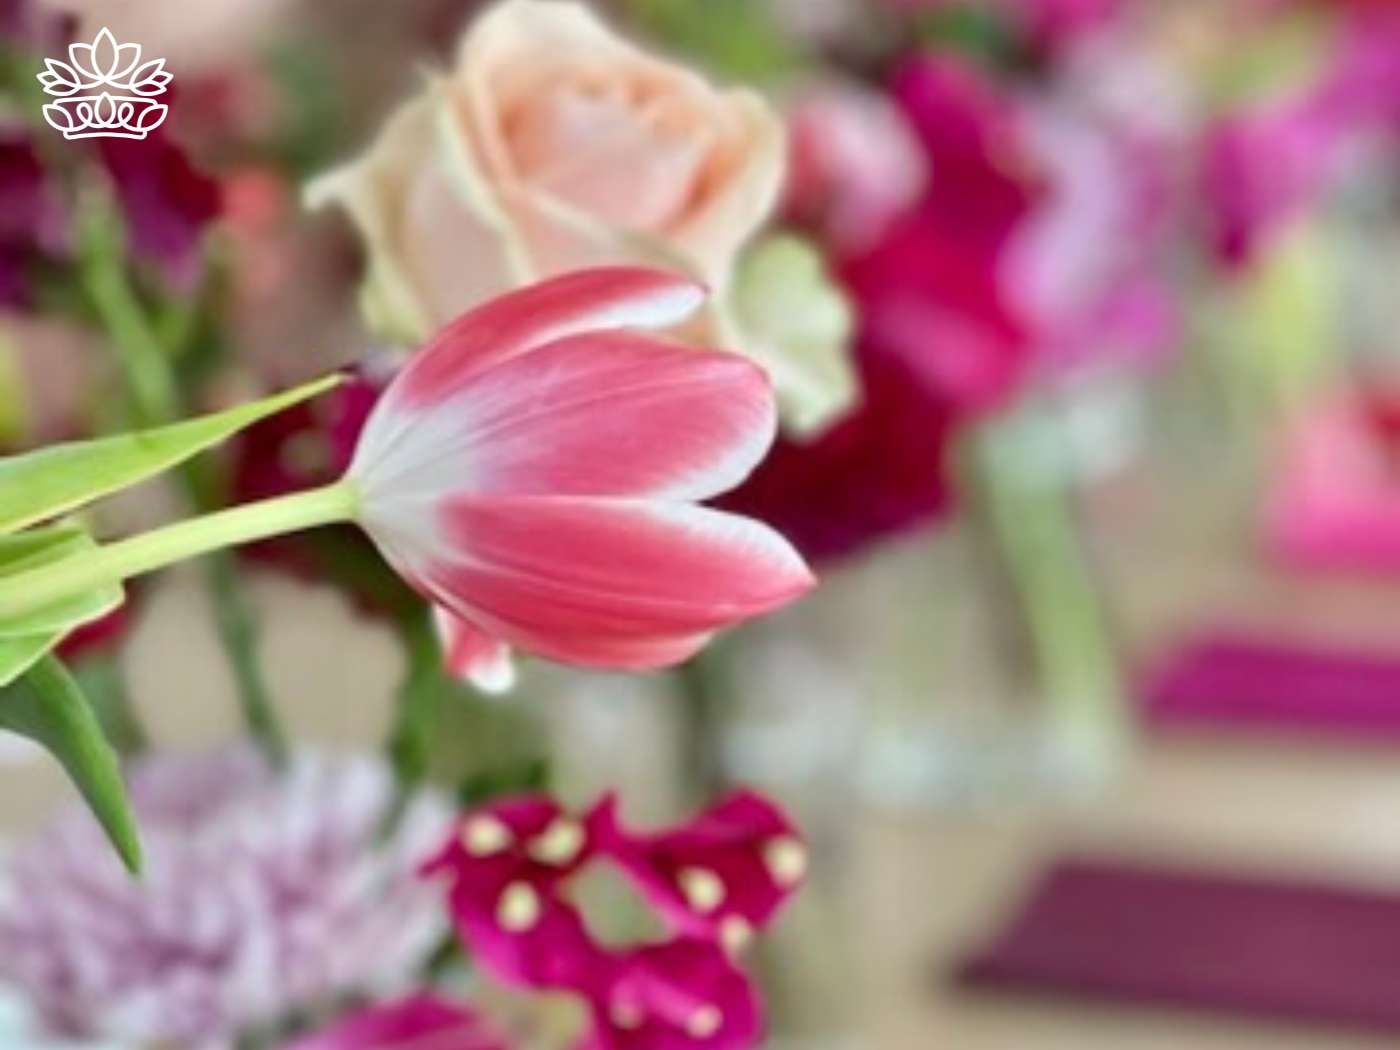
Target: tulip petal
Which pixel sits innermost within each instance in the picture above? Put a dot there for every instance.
(473, 654)
(600, 414)
(599, 582)
(603, 297)
(505, 327)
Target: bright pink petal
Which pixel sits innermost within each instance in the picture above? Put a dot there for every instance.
(473, 654)
(542, 945)
(615, 414)
(722, 876)
(528, 837)
(423, 1022)
(608, 583)
(506, 867)
(683, 995)
(586, 300)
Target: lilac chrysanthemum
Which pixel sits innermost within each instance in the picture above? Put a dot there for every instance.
(262, 896)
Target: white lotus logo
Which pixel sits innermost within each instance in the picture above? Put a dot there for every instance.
(105, 90)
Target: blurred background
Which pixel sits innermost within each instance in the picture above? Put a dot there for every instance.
(1092, 724)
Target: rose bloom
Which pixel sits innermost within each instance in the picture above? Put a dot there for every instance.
(555, 145)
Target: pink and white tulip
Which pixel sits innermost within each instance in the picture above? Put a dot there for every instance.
(536, 472)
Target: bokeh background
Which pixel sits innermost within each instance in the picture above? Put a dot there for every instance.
(1108, 545)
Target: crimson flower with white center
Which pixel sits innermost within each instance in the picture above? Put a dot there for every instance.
(537, 472)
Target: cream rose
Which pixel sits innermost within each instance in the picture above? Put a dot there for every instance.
(555, 144)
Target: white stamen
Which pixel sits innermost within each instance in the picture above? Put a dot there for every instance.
(702, 888)
(519, 908)
(704, 1022)
(559, 844)
(786, 859)
(484, 835)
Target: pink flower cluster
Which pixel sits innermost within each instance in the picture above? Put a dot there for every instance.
(265, 895)
(713, 881)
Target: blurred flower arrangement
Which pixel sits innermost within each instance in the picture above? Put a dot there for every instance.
(639, 338)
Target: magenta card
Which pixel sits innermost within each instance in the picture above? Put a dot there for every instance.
(1268, 947)
(1230, 678)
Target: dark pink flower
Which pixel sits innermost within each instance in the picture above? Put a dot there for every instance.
(854, 168)
(682, 995)
(305, 447)
(1270, 162)
(100, 635)
(936, 345)
(715, 880)
(719, 877)
(875, 473)
(1265, 166)
(985, 179)
(167, 201)
(32, 220)
(423, 1022)
(1086, 271)
(505, 869)
(937, 342)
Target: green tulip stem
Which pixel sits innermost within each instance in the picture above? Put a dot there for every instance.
(28, 592)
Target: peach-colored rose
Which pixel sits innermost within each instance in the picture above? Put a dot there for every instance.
(555, 144)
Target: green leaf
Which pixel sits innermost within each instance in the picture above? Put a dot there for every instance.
(20, 653)
(24, 639)
(47, 706)
(44, 484)
(20, 552)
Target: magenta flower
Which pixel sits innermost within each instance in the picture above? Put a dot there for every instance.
(307, 446)
(264, 895)
(714, 881)
(937, 345)
(720, 877)
(536, 472)
(1272, 161)
(506, 870)
(1086, 270)
(855, 167)
(423, 1022)
(682, 995)
(33, 226)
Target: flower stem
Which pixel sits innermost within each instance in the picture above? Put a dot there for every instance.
(239, 631)
(705, 683)
(155, 400)
(27, 592)
(143, 360)
(418, 712)
(1031, 513)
